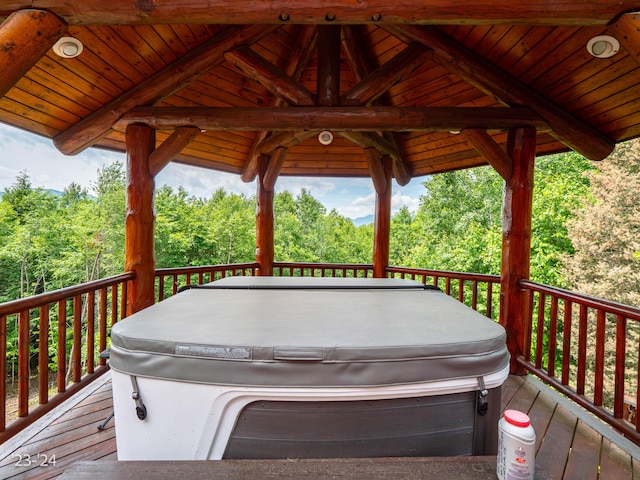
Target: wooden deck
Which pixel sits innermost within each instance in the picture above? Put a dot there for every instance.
(568, 446)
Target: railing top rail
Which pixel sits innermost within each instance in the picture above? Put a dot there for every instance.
(446, 273)
(626, 311)
(16, 306)
(205, 268)
(326, 266)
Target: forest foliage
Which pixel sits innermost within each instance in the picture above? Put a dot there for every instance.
(50, 241)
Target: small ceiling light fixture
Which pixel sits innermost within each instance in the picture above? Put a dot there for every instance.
(325, 137)
(68, 47)
(603, 46)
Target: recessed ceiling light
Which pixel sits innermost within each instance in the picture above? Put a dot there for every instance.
(325, 137)
(603, 46)
(68, 47)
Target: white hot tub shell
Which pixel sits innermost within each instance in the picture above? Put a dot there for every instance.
(280, 367)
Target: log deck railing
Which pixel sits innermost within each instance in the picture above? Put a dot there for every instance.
(554, 346)
(81, 315)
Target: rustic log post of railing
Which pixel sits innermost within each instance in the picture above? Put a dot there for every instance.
(516, 242)
(140, 218)
(264, 223)
(382, 224)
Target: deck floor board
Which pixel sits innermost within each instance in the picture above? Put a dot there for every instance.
(566, 446)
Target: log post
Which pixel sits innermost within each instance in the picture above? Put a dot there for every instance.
(140, 218)
(25, 36)
(264, 222)
(516, 242)
(382, 224)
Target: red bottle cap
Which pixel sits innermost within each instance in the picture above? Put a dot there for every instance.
(519, 419)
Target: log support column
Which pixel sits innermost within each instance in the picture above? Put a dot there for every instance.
(140, 218)
(516, 242)
(264, 222)
(382, 223)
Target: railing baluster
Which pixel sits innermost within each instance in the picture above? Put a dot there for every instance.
(114, 305)
(540, 329)
(566, 341)
(489, 312)
(91, 319)
(77, 338)
(599, 370)
(62, 345)
(161, 288)
(474, 295)
(43, 356)
(461, 290)
(582, 350)
(102, 322)
(621, 357)
(553, 332)
(24, 351)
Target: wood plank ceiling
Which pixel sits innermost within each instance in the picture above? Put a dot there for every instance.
(434, 86)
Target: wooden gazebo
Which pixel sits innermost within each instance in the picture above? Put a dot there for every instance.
(387, 90)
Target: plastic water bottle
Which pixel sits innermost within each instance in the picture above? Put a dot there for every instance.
(516, 447)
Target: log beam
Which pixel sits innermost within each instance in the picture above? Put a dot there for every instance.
(174, 76)
(139, 219)
(435, 12)
(376, 170)
(516, 243)
(380, 80)
(490, 151)
(328, 78)
(382, 225)
(364, 119)
(25, 36)
(273, 168)
(298, 60)
(499, 84)
(170, 148)
(264, 223)
(269, 76)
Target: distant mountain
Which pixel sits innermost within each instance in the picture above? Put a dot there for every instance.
(362, 220)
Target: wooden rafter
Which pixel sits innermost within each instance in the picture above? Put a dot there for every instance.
(372, 140)
(328, 78)
(24, 38)
(269, 76)
(362, 67)
(490, 151)
(627, 31)
(531, 12)
(170, 148)
(174, 76)
(282, 140)
(377, 82)
(365, 119)
(492, 81)
(297, 62)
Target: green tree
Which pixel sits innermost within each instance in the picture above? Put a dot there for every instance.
(606, 232)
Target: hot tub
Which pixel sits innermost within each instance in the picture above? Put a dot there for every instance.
(281, 367)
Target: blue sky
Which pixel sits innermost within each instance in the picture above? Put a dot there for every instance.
(47, 168)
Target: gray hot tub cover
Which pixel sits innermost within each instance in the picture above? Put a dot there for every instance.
(381, 333)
